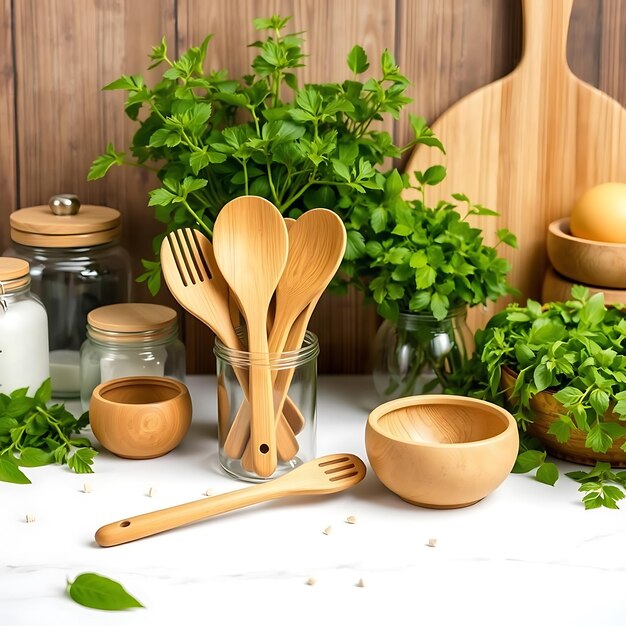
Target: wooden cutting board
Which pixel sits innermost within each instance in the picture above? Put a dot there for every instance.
(528, 145)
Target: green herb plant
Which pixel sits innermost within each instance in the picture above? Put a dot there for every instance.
(575, 349)
(98, 592)
(33, 433)
(210, 138)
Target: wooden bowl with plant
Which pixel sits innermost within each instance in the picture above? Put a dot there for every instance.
(561, 370)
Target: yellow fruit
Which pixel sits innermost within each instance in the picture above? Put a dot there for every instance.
(600, 214)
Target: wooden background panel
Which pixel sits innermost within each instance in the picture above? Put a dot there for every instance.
(8, 146)
(344, 326)
(66, 51)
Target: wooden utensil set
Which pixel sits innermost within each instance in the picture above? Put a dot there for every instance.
(257, 258)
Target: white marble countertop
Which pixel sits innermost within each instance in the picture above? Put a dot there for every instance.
(528, 552)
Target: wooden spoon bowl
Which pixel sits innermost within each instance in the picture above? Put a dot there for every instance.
(140, 417)
(441, 451)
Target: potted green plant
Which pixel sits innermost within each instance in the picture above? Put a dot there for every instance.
(211, 138)
(423, 266)
(561, 369)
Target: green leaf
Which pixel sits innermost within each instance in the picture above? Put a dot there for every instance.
(34, 457)
(82, 460)
(507, 237)
(419, 301)
(593, 311)
(105, 162)
(598, 439)
(542, 377)
(568, 396)
(561, 429)
(10, 473)
(160, 197)
(378, 219)
(341, 169)
(527, 461)
(425, 277)
(357, 60)
(434, 175)
(439, 305)
(44, 393)
(548, 473)
(599, 400)
(97, 592)
(355, 245)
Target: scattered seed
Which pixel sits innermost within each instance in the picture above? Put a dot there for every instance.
(311, 581)
(30, 517)
(361, 583)
(351, 519)
(208, 492)
(151, 492)
(432, 543)
(87, 488)
(328, 530)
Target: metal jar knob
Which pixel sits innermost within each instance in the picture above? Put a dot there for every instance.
(64, 204)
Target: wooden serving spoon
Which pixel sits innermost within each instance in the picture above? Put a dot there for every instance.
(250, 245)
(325, 475)
(317, 242)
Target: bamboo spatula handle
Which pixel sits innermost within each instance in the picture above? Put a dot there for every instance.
(132, 528)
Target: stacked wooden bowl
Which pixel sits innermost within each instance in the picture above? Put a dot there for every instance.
(598, 265)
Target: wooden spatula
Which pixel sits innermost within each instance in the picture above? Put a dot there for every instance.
(326, 475)
(529, 144)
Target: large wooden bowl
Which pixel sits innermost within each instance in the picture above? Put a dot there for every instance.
(586, 261)
(440, 451)
(557, 288)
(546, 409)
(140, 417)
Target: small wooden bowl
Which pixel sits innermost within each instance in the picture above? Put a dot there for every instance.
(440, 451)
(546, 409)
(140, 417)
(585, 261)
(557, 288)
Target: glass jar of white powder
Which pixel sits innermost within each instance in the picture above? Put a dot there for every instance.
(130, 339)
(23, 330)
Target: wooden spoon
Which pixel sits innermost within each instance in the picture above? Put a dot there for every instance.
(317, 242)
(250, 245)
(328, 474)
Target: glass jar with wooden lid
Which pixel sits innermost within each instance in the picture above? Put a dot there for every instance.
(76, 265)
(131, 339)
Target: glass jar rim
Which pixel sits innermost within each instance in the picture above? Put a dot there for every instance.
(284, 360)
(83, 248)
(132, 339)
(455, 311)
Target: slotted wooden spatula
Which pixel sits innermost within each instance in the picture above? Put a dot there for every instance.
(529, 144)
(325, 475)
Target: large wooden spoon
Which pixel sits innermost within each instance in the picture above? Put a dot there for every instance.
(250, 245)
(317, 242)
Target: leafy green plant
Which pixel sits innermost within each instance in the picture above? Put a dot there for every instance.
(575, 349)
(34, 434)
(210, 138)
(420, 259)
(98, 592)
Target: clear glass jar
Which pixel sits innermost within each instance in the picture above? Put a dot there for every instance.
(294, 376)
(417, 354)
(76, 264)
(23, 330)
(130, 340)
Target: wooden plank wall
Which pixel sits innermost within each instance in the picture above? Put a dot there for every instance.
(55, 55)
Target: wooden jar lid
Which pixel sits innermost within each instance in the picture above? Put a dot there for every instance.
(131, 317)
(12, 270)
(39, 226)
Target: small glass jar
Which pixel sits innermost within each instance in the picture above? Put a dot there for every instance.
(130, 340)
(294, 377)
(23, 330)
(417, 354)
(76, 265)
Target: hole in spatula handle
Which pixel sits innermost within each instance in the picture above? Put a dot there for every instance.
(264, 448)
